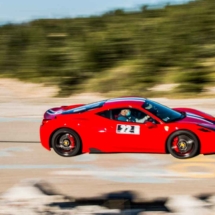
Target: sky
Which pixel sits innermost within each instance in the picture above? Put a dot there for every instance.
(25, 10)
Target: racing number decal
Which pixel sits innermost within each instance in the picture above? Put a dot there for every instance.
(128, 129)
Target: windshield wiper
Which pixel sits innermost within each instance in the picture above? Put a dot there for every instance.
(183, 115)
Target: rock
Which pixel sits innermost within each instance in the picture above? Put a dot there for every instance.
(29, 197)
(94, 209)
(32, 189)
(46, 188)
(38, 197)
(22, 193)
(211, 199)
(187, 205)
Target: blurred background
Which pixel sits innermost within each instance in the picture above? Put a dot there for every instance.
(144, 48)
(55, 53)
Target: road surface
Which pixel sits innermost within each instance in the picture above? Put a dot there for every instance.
(23, 158)
(150, 175)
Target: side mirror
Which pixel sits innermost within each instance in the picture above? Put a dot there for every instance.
(150, 124)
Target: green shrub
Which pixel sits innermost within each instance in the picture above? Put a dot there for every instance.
(193, 77)
(189, 88)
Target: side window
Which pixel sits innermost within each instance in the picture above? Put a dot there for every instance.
(129, 115)
(126, 115)
(115, 113)
(105, 114)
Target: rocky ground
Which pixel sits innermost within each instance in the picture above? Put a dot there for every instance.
(39, 197)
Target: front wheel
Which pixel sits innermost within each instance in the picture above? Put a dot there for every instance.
(183, 144)
(66, 142)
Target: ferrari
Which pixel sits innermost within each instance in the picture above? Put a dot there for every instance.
(127, 125)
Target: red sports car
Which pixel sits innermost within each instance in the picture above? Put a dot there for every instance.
(128, 125)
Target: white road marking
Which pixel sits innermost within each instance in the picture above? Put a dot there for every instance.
(126, 174)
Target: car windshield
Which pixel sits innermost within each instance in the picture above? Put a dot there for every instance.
(85, 107)
(164, 113)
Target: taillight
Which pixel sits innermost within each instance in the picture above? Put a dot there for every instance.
(45, 121)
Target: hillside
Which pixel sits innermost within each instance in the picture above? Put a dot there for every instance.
(118, 53)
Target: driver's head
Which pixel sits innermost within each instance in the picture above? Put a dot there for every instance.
(125, 112)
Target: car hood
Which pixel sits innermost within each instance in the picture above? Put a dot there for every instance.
(193, 118)
(196, 113)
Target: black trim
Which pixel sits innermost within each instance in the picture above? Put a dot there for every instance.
(95, 151)
(105, 114)
(206, 127)
(204, 130)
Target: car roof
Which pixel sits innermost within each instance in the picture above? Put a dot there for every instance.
(124, 101)
(110, 103)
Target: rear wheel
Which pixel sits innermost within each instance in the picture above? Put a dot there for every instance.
(66, 142)
(183, 144)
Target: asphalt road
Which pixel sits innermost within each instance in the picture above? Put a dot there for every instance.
(23, 158)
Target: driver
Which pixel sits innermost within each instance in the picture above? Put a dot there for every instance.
(125, 115)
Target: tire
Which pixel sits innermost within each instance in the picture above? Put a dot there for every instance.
(183, 144)
(66, 142)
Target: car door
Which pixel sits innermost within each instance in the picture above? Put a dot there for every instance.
(112, 135)
(100, 139)
(136, 136)
(125, 136)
